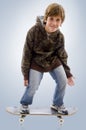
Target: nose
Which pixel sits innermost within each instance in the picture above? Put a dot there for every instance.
(54, 23)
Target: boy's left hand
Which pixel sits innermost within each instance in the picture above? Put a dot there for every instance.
(70, 81)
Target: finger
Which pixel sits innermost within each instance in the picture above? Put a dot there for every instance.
(71, 83)
(26, 83)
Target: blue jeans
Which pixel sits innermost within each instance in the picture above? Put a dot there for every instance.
(35, 77)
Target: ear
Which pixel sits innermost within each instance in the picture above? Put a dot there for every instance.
(45, 21)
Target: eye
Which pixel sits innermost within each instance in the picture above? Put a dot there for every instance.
(58, 20)
(51, 18)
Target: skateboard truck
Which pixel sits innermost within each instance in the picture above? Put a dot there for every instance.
(60, 120)
(21, 119)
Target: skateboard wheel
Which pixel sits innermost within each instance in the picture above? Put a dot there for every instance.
(21, 120)
(61, 121)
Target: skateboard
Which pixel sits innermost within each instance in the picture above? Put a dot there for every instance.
(41, 111)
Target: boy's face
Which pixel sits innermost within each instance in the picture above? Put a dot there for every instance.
(53, 23)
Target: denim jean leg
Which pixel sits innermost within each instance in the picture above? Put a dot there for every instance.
(35, 78)
(58, 74)
(26, 99)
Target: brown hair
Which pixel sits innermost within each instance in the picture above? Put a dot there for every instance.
(54, 9)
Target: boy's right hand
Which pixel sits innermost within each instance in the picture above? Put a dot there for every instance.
(25, 82)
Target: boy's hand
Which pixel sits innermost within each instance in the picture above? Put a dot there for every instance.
(70, 81)
(25, 82)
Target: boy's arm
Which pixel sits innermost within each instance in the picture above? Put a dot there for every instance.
(62, 54)
(27, 55)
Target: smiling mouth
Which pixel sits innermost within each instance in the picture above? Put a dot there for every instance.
(52, 27)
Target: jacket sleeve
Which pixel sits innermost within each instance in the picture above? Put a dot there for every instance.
(63, 56)
(27, 55)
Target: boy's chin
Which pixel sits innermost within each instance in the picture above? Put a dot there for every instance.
(53, 30)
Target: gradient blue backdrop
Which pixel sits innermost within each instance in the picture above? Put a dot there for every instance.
(16, 17)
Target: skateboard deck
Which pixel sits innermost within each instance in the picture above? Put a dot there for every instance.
(40, 111)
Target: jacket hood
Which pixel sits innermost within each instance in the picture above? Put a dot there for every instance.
(40, 24)
(39, 20)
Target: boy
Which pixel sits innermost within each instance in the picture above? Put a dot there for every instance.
(44, 51)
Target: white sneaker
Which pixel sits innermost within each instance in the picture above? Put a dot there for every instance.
(24, 109)
(61, 109)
